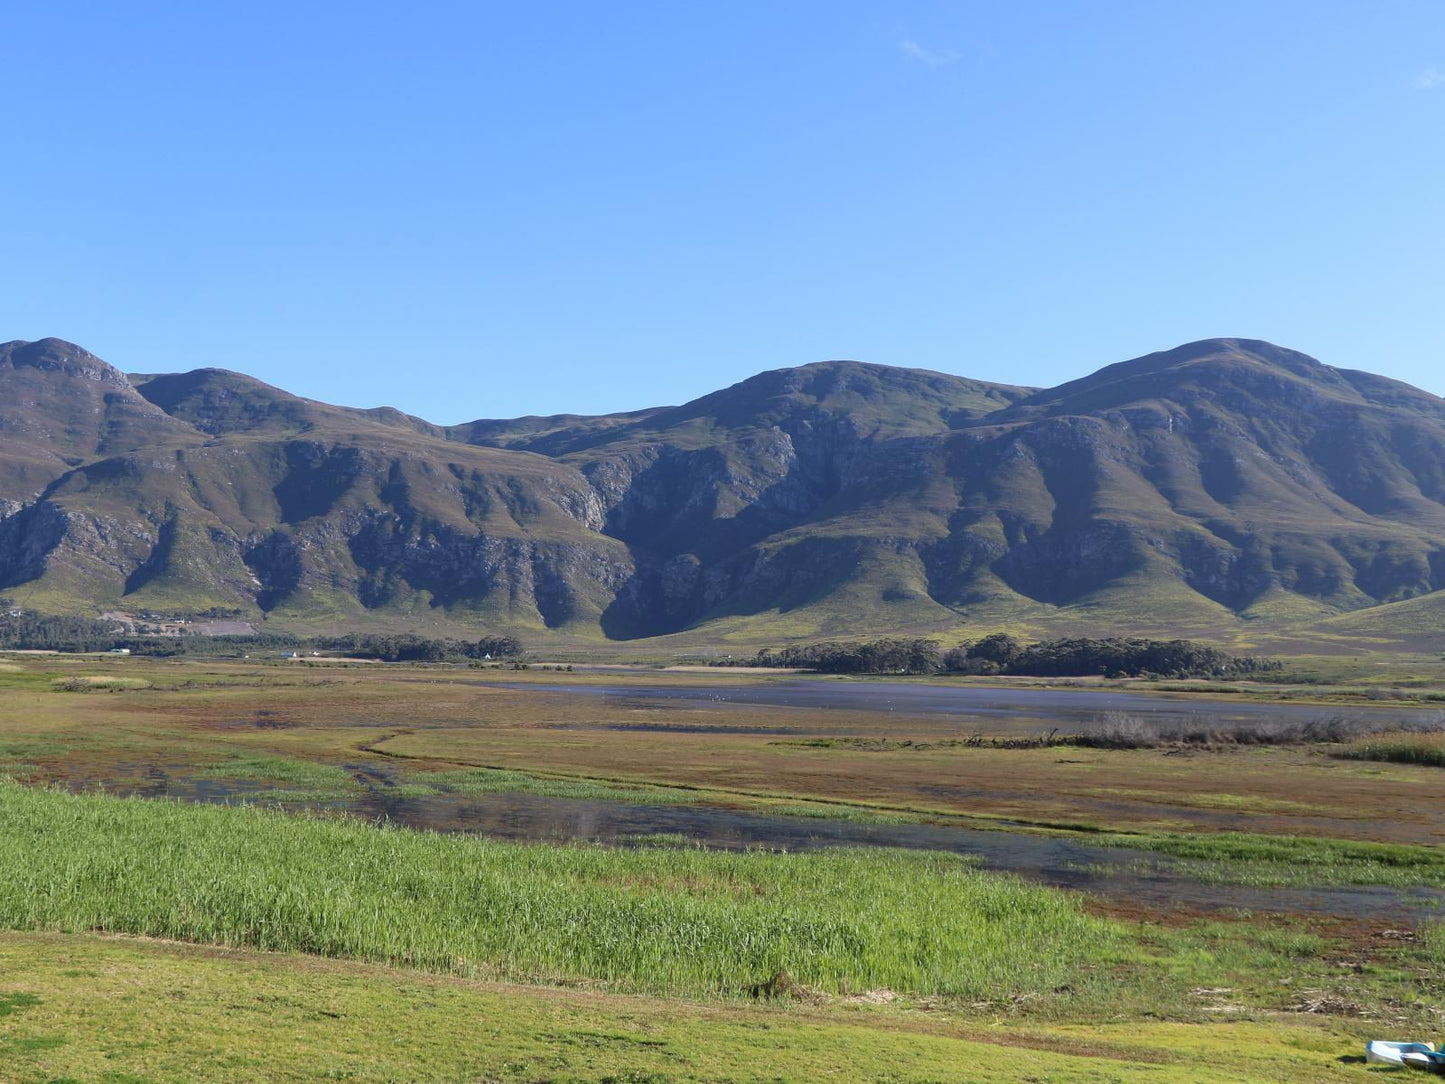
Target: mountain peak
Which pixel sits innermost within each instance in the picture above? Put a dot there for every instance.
(1220, 351)
(1251, 365)
(59, 356)
(1257, 351)
(220, 401)
(887, 397)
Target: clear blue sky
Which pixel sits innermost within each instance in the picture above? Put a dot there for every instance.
(487, 209)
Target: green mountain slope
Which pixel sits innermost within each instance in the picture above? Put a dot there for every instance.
(1268, 485)
(1223, 485)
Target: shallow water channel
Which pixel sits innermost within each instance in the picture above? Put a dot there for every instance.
(1054, 860)
(1135, 878)
(966, 708)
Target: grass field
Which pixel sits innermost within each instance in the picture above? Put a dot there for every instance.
(128, 1011)
(882, 951)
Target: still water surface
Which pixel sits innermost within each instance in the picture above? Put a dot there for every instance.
(974, 707)
(1131, 877)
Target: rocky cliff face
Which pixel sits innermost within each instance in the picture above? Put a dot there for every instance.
(1224, 481)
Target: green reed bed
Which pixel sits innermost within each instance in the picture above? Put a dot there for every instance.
(661, 919)
(1400, 748)
(1267, 861)
(273, 769)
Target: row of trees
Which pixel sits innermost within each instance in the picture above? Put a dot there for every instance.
(34, 632)
(1004, 654)
(419, 648)
(37, 632)
(894, 656)
(1111, 657)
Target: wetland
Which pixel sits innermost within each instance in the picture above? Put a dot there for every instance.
(1166, 870)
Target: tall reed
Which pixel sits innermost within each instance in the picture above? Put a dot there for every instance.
(677, 920)
(1400, 748)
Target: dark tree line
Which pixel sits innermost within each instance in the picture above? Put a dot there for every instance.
(1003, 654)
(419, 648)
(210, 646)
(32, 632)
(36, 632)
(895, 656)
(1110, 657)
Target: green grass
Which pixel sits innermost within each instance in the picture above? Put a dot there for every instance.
(163, 1013)
(301, 775)
(1432, 942)
(1245, 858)
(667, 920)
(13, 1003)
(1427, 749)
(15, 677)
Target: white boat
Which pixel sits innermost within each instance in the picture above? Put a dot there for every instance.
(1409, 1055)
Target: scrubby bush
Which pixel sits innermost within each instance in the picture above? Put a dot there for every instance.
(1124, 730)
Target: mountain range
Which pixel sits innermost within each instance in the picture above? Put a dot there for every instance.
(1227, 489)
